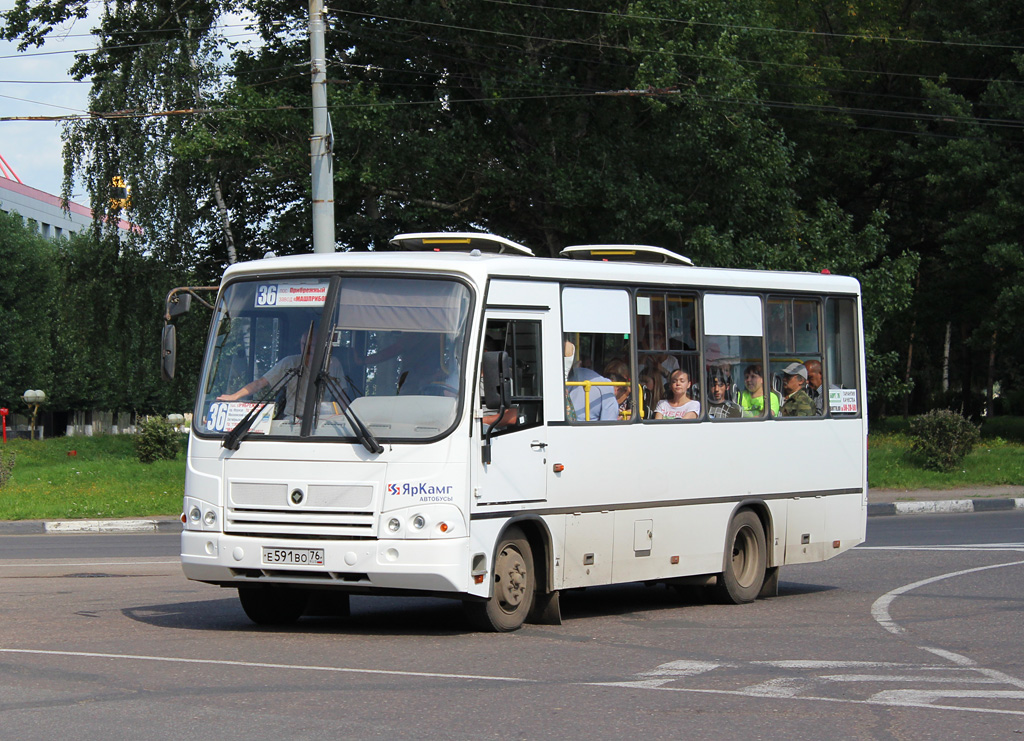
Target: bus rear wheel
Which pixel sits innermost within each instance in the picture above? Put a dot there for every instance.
(746, 559)
(273, 605)
(513, 589)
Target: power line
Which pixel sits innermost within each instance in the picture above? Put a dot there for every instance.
(763, 29)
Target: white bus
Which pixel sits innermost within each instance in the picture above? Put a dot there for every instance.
(435, 420)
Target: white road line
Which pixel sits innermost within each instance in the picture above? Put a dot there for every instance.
(880, 608)
(909, 703)
(916, 698)
(262, 665)
(75, 564)
(768, 690)
(1012, 547)
(961, 679)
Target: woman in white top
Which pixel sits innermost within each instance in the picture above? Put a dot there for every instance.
(681, 406)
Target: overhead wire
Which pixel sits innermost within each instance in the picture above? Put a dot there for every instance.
(575, 92)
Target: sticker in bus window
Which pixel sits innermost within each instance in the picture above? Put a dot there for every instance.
(842, 401)
(290, 294)
(224, 416)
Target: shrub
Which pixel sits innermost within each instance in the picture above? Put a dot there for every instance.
(6, 465)
(943, 438)
(157, 440)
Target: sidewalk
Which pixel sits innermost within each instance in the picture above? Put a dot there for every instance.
(881, 503)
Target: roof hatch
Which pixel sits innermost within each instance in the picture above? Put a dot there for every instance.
(459, 242)
(624, 253)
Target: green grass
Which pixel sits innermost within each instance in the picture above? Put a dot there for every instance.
(103, 479)
(892, 465)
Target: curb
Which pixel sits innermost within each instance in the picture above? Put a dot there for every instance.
(72, 527)
(943, 506)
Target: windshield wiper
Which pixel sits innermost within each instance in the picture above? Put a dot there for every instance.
(363, 433)
(238, 432)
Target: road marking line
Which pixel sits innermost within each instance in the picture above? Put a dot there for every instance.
(173, 562)
(995, 547)
(843, 700)
(918, 697)
(880, 608)
(904, 701)
(909, 678)
(263, 665)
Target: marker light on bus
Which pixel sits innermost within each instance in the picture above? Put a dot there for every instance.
(443, 527)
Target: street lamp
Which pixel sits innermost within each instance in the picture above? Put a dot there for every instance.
(34, 398)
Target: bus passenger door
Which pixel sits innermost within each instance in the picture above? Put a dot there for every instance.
(518, 440)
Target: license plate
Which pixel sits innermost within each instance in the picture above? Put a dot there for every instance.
(294, 556)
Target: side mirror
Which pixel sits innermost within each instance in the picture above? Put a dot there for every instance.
(178, 304)
(497, 372)
(168, 352)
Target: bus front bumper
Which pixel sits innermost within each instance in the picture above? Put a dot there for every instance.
(440, 565)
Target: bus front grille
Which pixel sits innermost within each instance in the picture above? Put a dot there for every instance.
(300, 522)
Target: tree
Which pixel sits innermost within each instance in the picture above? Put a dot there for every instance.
(29, 287)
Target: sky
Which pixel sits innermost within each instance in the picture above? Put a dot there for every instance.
(38, 84)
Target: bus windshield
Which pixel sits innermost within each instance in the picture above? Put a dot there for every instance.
(336, 358)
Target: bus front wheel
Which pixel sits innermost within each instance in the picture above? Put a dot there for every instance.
(273, 605)
(746, 559)
(513, 587)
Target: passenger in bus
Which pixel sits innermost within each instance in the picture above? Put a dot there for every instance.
(603, 404)
(720, 405)
(680, 406)
(653, 392)
(295, 387)
(617, 371)
(751, 399)
(815, 387)
(797, 403)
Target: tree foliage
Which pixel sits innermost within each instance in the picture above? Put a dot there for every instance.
(880, 139)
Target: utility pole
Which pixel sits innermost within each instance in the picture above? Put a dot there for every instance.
(321, 144)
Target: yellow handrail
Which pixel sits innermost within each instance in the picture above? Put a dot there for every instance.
(586, 391)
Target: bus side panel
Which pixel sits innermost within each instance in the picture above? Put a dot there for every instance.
(648, 540)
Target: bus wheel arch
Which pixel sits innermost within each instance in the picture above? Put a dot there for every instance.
(514, 581)
(745, 565)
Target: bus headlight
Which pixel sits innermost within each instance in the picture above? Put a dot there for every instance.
(194, 515)
(394, 525)
(210, 517)
(418, 522)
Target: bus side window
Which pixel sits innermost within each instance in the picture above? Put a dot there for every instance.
(733, 349)
(841, 353)
(597, 343)
(795, 354)
(521, 340)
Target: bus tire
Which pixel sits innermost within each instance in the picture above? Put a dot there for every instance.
(513, 590)
(745, 560)
(273, 605)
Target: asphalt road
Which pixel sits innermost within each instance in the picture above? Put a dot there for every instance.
(914, 635)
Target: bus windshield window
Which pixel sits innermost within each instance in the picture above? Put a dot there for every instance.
(384, 356)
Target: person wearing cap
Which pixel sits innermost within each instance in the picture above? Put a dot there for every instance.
(719, 385)
(797, 403)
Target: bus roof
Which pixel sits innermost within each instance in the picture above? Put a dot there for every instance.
(479, 267)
